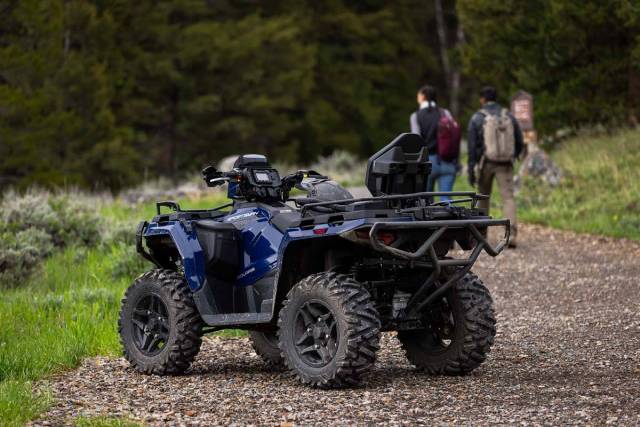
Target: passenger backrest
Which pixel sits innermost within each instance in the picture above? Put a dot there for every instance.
(402, 167)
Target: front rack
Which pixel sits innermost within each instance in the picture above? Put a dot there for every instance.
(397, 200)
(462, 266)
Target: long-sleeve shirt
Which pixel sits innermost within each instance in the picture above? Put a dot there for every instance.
(475, 138)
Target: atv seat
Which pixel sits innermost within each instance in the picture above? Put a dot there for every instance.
(285, 220)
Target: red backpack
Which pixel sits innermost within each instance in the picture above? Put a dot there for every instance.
(448, 136)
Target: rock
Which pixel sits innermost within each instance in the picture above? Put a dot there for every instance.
(538, 164)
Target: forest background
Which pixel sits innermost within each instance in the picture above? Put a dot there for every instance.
(104, 94)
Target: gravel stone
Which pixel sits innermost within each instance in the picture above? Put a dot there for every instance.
(567, 352)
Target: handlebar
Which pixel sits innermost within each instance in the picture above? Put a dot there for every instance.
(213, 178)
(300, 175)
(253, 187)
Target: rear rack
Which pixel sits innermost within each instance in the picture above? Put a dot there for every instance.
(397, 201)
(417, 302)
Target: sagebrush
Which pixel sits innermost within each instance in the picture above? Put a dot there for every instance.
(36, 223)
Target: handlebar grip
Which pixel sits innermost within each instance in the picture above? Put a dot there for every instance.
(214, 182)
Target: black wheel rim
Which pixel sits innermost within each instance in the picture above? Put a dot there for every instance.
(315, 334)
(150, 321)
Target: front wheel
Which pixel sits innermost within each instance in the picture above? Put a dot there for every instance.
(459, 333)
(329, 331)
(160, 328)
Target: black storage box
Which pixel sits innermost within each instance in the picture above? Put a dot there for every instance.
(220, 242)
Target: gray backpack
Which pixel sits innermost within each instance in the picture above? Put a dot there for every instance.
(499, 137)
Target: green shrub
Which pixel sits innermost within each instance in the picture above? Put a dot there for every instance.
(117, 232)
(31, 209)
(80, 222)
(121, 235)
(68, 218)
(343, 167)
(130, 265)
(34, 224)
(20, 253)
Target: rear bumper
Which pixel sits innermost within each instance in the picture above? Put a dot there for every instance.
(421, 298)
(439, 227)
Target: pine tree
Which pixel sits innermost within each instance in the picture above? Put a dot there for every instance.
(56, 124)
(576, 57)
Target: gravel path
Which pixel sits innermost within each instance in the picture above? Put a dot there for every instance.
(567, 352)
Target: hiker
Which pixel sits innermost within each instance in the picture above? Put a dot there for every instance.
(441, 134)
(495, 142)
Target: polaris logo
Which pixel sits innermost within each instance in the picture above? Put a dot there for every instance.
(241, 217)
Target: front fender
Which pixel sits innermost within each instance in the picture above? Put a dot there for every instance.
(186, 243)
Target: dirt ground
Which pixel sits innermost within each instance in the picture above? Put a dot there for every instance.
(567, 352)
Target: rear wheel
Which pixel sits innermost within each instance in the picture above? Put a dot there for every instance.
(265, 345)
(160, 328)
(329, 331)
(460, 332)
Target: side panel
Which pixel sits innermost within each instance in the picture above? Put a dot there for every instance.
(250, 300)
(260, 241)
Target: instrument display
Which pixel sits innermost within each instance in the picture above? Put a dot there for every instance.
(262, 176)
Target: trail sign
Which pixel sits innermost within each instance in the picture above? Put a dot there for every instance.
(522, 109)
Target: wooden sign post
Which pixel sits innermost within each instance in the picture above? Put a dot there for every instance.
(522, 110)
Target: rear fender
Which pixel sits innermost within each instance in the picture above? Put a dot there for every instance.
(305, 251)
(300, 257)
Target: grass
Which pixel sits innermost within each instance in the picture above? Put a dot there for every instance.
(19, 403)
(66, 312)
(600, 193)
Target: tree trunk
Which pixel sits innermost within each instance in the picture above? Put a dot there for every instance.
(169, 136)
(451, 72)
(633, 94)
(455, 78)
(442, 39)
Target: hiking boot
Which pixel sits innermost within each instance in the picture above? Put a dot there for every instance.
(512, 237)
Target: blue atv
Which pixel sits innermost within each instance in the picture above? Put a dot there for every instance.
(316, 279)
